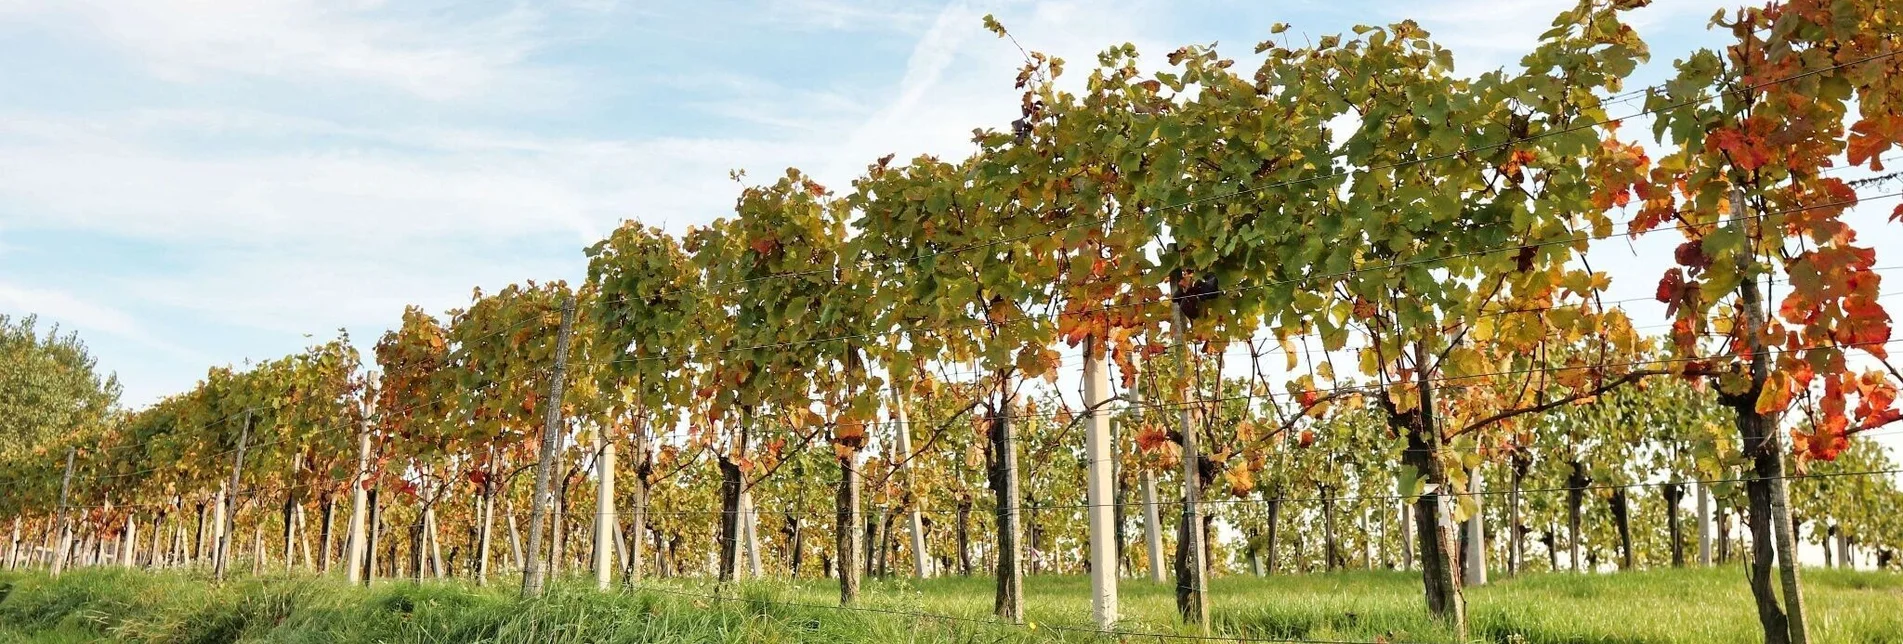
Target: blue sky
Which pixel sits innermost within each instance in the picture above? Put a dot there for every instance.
(198, 182)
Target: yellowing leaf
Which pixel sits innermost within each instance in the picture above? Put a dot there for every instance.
(1776, 395)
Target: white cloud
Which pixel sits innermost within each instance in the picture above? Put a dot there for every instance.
(394, 186)
(291, 291)
(64, 307)
(73, 312)
(296, 225)
(303, 40)
(959, 76)
(843, 15)
(792, 111)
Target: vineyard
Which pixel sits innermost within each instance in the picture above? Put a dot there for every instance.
(1313, 351)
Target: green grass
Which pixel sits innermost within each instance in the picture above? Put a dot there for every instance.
(1690, 606)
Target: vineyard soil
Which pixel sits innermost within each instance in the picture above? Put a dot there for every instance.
(1656, 606)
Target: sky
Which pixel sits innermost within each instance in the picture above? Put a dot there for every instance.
(198, 182)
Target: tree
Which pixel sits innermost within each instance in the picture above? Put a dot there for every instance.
(647, 309)
(52, 400)
(1688, 440)
(1745, 189)
(1454, 200)
(421, 427)
(503, 349)
(956, 247)
(1845, 506)
(313, 398)
(801, 324)
(52, 388)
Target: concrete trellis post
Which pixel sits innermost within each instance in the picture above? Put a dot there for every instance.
(1100, 486)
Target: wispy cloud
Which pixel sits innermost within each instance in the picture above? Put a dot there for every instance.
(424, 53)
(88, 317)
(959, 76)
(375, 187)
(845, 15)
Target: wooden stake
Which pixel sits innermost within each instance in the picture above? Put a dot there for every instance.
(532, 581)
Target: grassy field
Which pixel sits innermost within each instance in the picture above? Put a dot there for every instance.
(1657, 606)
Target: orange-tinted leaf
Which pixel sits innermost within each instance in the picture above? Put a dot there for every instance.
(1151, 438)
(1748, 151)
(1868, 141)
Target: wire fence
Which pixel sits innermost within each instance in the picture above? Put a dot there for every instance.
(727, 593)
